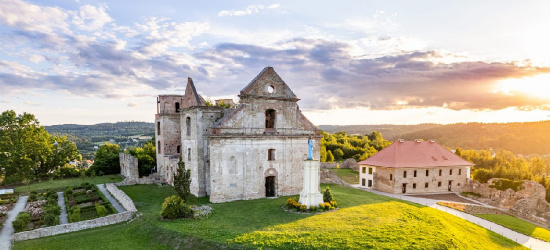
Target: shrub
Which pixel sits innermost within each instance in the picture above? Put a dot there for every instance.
(101, 210)
(51, 201)
(51, 219)
(89, 192)
(174, 207)
(503, 184)
(327, 206)
(53, 209)
(75, 214)
(86, 185)
(313, 209)
(321, 206)
(333, 204)
(482, 175)
(33, 196)
(21, 221)
(69, 192)
(327, 195)
(51, 194)
(303, 208)
(292, 203)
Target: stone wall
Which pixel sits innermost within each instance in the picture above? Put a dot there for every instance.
(124, 200)
(328, 164)
(129, 167)
(528, 203)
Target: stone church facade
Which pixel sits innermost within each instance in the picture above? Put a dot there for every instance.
(251, 151)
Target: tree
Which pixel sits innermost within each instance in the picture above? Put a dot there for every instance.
(146, 156)
(62, 152)
(327, 195)
(107, 160)
(24, 144)
(338, 154)
(323, 154)
(182, 181)
(330, 157)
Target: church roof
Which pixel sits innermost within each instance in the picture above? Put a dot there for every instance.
(191, 97)
(268, 84)
(415, 154)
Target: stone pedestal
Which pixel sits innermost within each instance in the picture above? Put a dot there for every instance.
(310, 195)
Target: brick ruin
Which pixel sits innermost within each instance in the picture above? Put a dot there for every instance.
(251, 151)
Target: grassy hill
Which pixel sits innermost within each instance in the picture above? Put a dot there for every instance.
(519, 137)
(364, 220)
(88, 136)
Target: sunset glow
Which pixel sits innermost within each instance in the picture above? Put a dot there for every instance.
(537, 86)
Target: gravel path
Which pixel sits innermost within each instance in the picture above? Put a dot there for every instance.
(63, 217)
(111, 199)
(7, 230)
(445, 197)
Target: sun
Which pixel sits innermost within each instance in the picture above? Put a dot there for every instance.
(536, 86)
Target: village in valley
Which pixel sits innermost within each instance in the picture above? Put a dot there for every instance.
(331, 131)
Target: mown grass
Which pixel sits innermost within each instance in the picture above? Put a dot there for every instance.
(62, 183)
(347, 174)
(364, 220)
(518, 225)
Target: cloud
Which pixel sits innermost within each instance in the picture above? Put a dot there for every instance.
(250, 10)
(91, 17)
(132, 105)
(32, 104)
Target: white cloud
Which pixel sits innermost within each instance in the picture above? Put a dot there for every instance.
(30, 17)
(91, 18)
(250, 10)
(32, 103)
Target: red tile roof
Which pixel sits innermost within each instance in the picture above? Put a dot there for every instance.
(415, 154)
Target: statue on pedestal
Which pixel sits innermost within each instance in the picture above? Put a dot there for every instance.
(310, 149)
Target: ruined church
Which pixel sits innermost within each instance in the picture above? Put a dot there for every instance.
(254, 150)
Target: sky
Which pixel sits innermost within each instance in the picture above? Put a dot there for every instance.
(350, 62)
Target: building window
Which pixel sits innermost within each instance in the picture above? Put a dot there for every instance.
(177, 107)
(370, 183)
(439, 184)
(450, 172)
(459, 171)
(188, 125)
(232, 165)
(427, 172)
(271, 154)
(270, 118)
(158, 147)
(414, 185)
(189, 154)
(178, 150)
(426, 185)
(414, 173)
(404, 174)
(158, 128)
(391, 177)
(363, 182)
(458, 184)
(440, 171)
(364, 170)
(370, 171)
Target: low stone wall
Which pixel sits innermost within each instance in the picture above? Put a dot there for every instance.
(72, 227)
(329, 177)
(122, 198)
(328, 165)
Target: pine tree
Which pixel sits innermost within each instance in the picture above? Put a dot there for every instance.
(330, 157)
(327, 195)
(182, 181)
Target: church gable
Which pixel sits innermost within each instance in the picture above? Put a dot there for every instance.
(268, 84)
(191, 97)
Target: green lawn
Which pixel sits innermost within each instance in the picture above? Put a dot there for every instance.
(364, 220)
(62, 183)
(518, 225)
(347, 174)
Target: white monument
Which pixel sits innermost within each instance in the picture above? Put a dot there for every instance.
(310, 195)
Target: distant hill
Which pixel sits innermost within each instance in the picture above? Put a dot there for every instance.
(519, 137)
(88, 136)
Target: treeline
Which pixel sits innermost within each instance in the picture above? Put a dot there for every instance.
(519, 137)
(340, 146)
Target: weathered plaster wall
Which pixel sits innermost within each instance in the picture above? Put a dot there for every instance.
(129, 167)
(239, 166)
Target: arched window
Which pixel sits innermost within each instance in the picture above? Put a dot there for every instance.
(270, 118)
(177, 107)
(232, 165)
(188, 125)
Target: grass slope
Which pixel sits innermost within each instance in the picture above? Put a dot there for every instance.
(518, 225)
(346, 174)
(62, 183)
(364, 220)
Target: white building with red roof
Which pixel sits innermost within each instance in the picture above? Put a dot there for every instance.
(415, 167)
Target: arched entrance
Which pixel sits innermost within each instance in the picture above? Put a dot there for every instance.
(270, 186)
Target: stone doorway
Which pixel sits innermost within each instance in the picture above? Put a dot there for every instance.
(270, 186)
(404, 188)
(450, 185)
